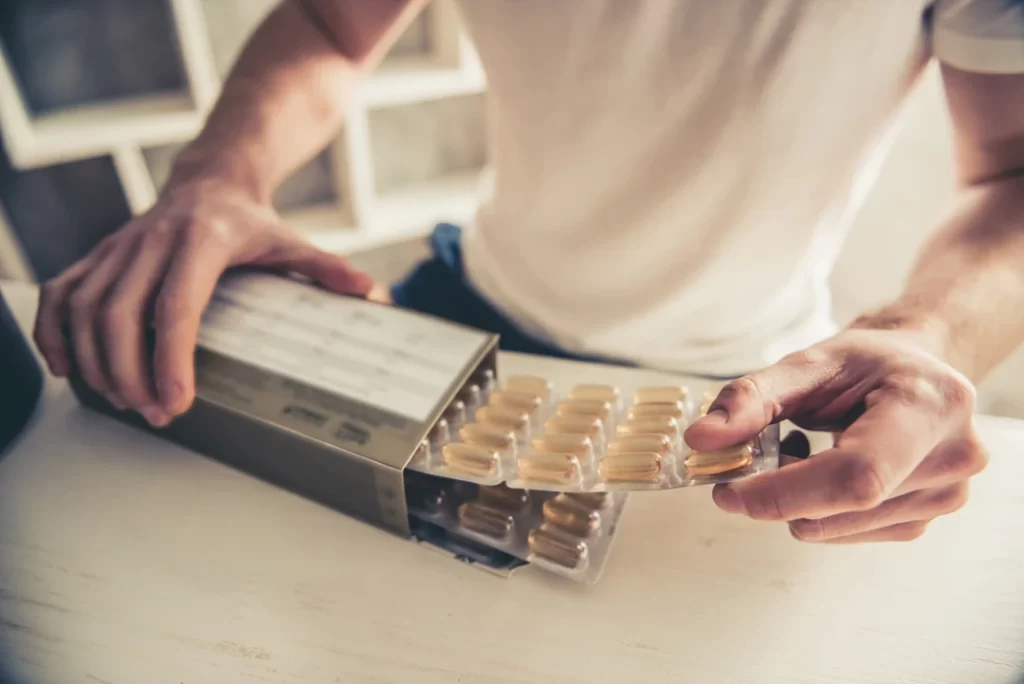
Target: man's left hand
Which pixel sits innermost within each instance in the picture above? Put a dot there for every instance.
(905, 444)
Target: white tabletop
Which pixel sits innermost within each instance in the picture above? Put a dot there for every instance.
(125, 559)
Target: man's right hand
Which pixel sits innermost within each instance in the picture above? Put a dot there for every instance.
(161, 270)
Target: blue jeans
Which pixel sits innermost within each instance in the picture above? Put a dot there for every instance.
(438, 286)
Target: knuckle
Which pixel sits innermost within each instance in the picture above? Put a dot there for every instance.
(958, 393)
(769, 506)
(967, 458)
(860, 484)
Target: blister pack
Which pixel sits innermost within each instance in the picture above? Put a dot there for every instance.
(569, 534)
(526, 435)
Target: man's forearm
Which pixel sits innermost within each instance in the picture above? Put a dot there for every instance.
(965, 294)
(287, 94)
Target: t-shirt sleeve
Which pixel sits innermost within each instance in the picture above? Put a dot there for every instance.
(979, 35)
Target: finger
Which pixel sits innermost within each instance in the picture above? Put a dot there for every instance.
(84, 306)
(950, 462)
(184, 294)
(125, 319)
(871, 459)
(794, 448)
(746, 406)
(49, 329)
(925, 504)
(903, 532)
(331, 271)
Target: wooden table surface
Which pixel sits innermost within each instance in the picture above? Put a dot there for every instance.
(128, 560)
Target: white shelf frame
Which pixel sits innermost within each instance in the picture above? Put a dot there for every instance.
(123, 128)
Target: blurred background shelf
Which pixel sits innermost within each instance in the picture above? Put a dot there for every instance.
(138, 84)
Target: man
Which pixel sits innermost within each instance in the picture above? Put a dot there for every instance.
(671, 182)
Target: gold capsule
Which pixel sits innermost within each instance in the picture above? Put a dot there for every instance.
(440, 433)
(636, 466)
(486, 520)
(593, 501)
(521, 401)
(609, 393)
(578, 445)
(544, 466)
(510, 419)
(657, 394)
(722, 461)
(471, 459)
(505, 498)
(676, 409)
(455, 414)
(571, 517)
(532, 384)
(659, 444)
(593, 408)
(649, 425)
(493, 437)
(559, 549)
(574, 425)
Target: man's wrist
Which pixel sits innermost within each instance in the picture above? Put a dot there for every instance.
(197, 166)
(929, 331)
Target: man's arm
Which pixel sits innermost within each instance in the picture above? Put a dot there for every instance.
(895, 388)
(283, 101)
(965, 293)
(287, 94)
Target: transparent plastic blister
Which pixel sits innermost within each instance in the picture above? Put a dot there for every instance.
(591, 439)
(569, 534)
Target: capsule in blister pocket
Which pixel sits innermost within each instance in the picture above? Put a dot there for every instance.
(572, 517)
(511, 419)
(551, 468)
(485, 520)
(526, 402)
(636, 466)
(649, 425)
(505, 498)
(608, 393)
(493, 437)
(565, 443)
(658, 443)
(675, 409)
(558, 548)
(588, 408)
(533, 384)
(699, 463)
(661, 393)
(472, 460)
(577, 425)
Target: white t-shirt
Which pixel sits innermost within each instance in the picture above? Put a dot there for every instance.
(671, 179)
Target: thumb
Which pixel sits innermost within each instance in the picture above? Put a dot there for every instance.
(331, 271)
(749, 404)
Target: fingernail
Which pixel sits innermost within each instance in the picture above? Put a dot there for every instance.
(154, 415)
(117, 402)
(715, 417)
(728, 500)
(170, 394)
